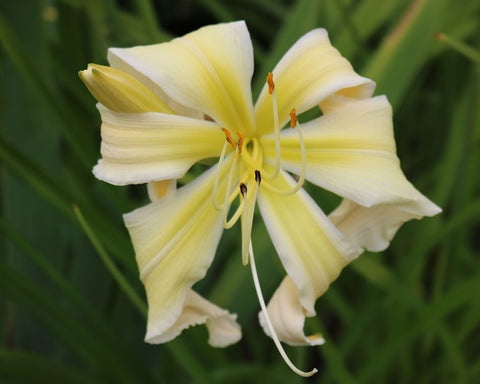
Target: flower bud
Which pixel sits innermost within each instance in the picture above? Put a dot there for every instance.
(119, 91)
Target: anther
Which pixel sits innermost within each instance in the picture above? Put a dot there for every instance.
(229, 137)
(243, 189)
(258, 177)
(240, 141)
(293, 118)
(271, 84)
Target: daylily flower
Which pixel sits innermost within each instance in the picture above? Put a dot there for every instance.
(165, 107)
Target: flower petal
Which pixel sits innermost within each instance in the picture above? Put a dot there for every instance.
(175, 241)
(308, 73)
(119, 91)
(208, 70)
(222, 326)
(288, 316)
(351, 152)
(161, 189)
(370, 228)
(311, 249)
(142, 147)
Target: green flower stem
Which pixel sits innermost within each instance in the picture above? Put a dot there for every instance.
(117, 275)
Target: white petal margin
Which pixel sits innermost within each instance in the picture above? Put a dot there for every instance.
(370, 228)
(351, 152)
(312, 250)
(175, 241)
(222, 326)
(142, 147)
(308, 73)
(208, 70)
(288, 316)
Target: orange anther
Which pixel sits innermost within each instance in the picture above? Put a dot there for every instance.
(229, 137)
(240, 141)
(293, 118)
(271, 84)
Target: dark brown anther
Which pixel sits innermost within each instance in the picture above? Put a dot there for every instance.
(258, 176)
(243, 189)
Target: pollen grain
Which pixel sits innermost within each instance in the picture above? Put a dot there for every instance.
(271, 84)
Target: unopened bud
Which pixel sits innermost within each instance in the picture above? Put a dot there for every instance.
(119, 91)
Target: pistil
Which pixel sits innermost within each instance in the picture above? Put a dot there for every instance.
(248, 213)
(273, 334)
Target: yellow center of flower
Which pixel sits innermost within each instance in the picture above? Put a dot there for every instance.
(249, 171)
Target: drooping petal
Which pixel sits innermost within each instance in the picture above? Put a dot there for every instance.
(142, 147)
(311, 249)
(288, 316)
(308, 73)
(222, 325)
(208, 70)
(175, 241)
(351, 152)
(370, 228)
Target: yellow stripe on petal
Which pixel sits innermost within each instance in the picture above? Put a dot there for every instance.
(311, 249)
(208, 70)
(175, 241)
(143, 147)
(308, 73)
(351, 152)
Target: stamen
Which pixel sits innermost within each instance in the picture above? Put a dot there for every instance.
(229, 197)
(276, 126)
(229, 137)
(293, 118)
(217, 176)
(258, 176)
(231, 222)
(240, 141)
(301, 179)
(243, 189)
(273, 334)
(271, 84)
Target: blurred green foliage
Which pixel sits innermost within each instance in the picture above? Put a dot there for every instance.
(408, 315)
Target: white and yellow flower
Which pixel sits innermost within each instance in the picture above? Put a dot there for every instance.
(154, 104)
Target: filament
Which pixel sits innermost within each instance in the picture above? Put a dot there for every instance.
(229, 196)
(276, 126)
(301, 178)
(217, 176)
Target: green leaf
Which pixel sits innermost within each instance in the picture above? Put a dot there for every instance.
(298, 21)
(407, 47)
(31, 368)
